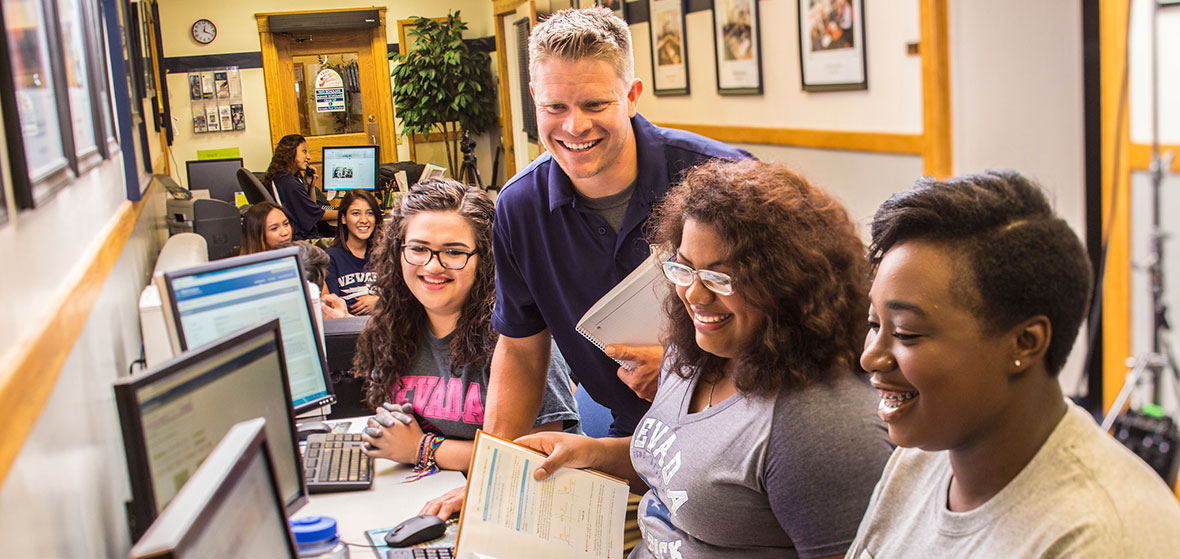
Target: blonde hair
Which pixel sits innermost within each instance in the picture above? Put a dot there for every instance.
(574, 34)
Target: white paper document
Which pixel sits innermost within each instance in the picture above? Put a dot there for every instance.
(574, 514)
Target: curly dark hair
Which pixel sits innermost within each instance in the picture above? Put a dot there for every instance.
(314, 261)
(388, 344)
(1020, 259)
(254, 227)
(350, 198)
(282, 163)
(796, 256)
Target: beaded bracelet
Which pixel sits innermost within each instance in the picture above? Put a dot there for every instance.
(426, 462)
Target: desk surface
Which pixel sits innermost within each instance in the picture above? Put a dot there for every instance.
(388, 502)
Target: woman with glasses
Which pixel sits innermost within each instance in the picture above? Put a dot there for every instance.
(761, 440)
(425, 352)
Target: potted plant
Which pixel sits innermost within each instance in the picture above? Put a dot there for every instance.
(442, 85)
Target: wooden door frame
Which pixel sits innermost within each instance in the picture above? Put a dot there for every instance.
(502, 10)
(278, 111)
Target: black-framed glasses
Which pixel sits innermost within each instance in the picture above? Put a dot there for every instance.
(449, 258)
(679, 274)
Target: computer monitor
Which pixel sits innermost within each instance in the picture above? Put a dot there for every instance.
(218, 176)
(231, 506)
(211, 300)
(173, 415)
(349, 167)
(340, 336)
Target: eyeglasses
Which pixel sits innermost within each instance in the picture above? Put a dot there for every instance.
(449, 258)
(682, 275)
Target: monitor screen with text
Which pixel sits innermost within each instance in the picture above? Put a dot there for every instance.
(350, 167)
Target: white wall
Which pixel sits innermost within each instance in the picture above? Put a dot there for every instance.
(1016, 102)
(63, 495)
(893, 102)
(237, 32)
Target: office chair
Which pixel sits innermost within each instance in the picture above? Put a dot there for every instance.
(253, 188)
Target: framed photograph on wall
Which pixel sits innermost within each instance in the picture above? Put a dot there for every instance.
(669, 59)
(37, 133)
(75, 31)
(738, 41)
(832, 45)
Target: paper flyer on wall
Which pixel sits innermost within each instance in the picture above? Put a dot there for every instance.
(199, 119)
(221, 84)
(194, 87)
(212, 119)
(235, 83)
(238, 116)
(207, 85)
(227, 121)
(574, 514)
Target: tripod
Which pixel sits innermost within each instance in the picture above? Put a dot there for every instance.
(468, 171)
(1160, 359)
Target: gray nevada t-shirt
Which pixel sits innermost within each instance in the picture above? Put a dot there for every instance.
(453, 404)
(757, 476)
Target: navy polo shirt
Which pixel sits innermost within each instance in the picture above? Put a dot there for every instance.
(555, 258)
(301, 208)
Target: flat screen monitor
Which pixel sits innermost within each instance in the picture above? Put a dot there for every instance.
(231, 506)
(211, 300)
(349, 167)
(218, 176)
(173, 415)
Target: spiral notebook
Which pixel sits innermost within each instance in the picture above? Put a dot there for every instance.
(631, 313)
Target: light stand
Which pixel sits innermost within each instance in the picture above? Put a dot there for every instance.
(1152, 437)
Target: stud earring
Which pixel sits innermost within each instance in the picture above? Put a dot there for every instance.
(1017, 362)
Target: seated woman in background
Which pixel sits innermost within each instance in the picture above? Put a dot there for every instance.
(761, 440)
(978, 294)
(357, 232)
(264, 226)
(294, 181)
(425, 353)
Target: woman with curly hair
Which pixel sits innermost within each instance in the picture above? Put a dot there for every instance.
(426, 351)
(761, 440)
(294, 186)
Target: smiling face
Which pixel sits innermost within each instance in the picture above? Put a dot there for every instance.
(583, 118)
(441, 291)
(942, 376)
(724, 324)
(278, 229)
(302, 156)
(359, 219)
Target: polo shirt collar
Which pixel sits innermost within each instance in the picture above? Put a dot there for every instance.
(653, 167)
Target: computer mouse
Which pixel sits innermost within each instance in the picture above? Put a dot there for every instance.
(416, 530)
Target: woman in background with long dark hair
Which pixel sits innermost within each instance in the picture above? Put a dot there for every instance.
(294, 184)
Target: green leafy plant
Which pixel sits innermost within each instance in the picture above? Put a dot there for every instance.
(442, 85)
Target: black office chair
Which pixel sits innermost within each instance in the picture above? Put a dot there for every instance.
(253, 188)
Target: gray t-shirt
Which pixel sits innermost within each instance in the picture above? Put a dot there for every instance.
(453, 404)
(757, 476)
(1082, 495)
(611, 208)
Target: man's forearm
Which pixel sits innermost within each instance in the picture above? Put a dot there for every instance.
(520, 368)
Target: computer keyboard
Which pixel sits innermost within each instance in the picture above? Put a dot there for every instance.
(335, 462)
(420, 553)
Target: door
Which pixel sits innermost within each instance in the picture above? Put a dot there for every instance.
(330, 86)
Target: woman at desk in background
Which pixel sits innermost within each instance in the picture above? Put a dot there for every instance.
(761, 440)
(264, 226)
(425, 353)
(294, 184)
(357, 233)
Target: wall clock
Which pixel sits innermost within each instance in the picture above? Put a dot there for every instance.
(204, 31)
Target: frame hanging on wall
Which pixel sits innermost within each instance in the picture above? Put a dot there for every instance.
(832, 45)
(737, 38)
(669, 58)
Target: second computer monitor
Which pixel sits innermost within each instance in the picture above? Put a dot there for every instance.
(350, 167)
(211, 300)
(218, 176)
(173, 416)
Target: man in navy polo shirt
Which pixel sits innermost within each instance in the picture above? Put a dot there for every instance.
(570, 225)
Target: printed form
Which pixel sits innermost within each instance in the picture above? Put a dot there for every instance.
(572, 514)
